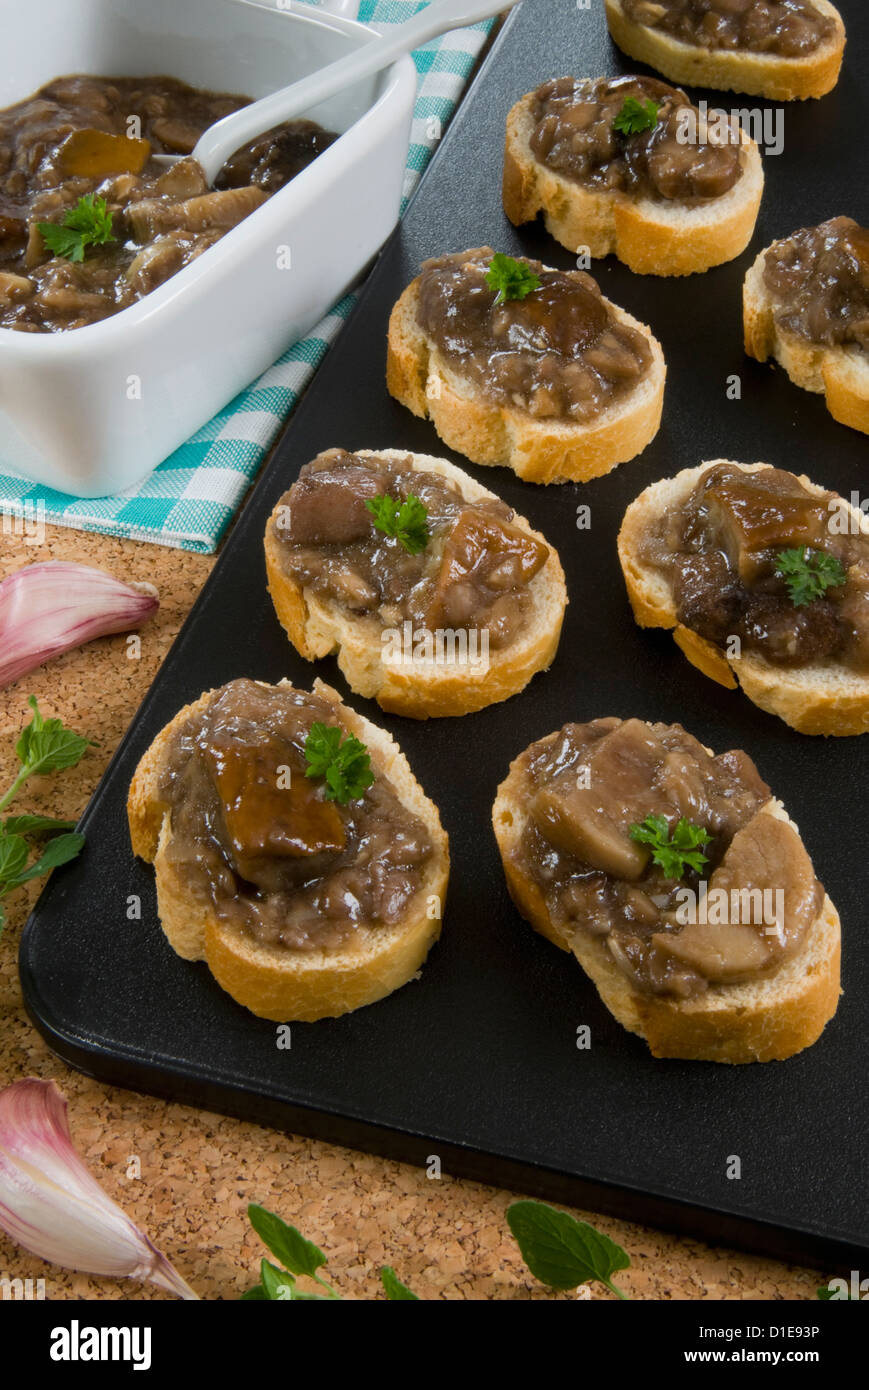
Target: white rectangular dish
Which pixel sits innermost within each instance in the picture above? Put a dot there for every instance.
(93, 410)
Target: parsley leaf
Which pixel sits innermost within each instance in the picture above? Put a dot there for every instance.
(636, 116)
(512, 279)
(563, 1252)
(677, 853)
(13, 859)
(298, 1255)
(45, 745)
(808, 577)
(14, 853)
(276, 1283)
(406, 521)
(396, 1292)
(346, 766)
(36, 825)
(58, 851)
(89, 223)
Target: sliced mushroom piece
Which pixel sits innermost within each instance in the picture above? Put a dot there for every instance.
(14, 288)
(766, 890)
(178, 136)
(154, 264)
(66, 299)
(184, 180)
(35, 252)
(223, 209)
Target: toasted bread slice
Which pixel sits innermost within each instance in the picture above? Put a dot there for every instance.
(841, 374)
(823, 698)
(733, 70)
(420, 689)
(761, 1021)
(538, 450)
(651, 235)
(277, 982)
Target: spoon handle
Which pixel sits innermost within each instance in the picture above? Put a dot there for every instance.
(222, 139)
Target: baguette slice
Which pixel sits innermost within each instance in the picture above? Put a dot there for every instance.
(823, 698)
(841, 374)
(758, 74)
(538, 450)
(761, 1021)
(421, 689)
(277, 982)
(651, 236)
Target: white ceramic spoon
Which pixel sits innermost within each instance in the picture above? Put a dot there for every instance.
(219, 141)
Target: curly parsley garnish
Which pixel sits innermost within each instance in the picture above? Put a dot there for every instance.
(406, 521)
(346, 766)
(512, 279)
(808, 577)
(89, 223)
(636, 116)
(677, 853)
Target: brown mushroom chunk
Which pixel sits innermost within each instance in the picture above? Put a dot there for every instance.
(767, 896)
(591, 817)
(327, 507)
(263, 819)
(482, 550)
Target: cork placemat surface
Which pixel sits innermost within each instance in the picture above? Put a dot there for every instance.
(187, 1176)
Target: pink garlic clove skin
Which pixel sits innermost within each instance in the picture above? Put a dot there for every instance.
(52, 1205)
(49, 608)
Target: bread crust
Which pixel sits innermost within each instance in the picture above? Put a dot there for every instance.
(275, 982)
(420, 690)
(763, 1021)
(651, 237)
(757, 74)
(840, 374)
(819, 699)
(540, 451)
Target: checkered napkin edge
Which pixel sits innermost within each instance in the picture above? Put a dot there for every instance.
(189, 499)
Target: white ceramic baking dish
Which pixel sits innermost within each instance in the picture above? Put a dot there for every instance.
(92, 411)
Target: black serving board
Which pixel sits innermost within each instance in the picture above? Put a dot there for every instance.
(477, 1061)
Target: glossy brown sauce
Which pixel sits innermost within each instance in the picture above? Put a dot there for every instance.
(819, 282)
(256, 839)
(558, 354)
(585, 786)
(574, 135)
(785, 28)
(719, 551)
(473, 574)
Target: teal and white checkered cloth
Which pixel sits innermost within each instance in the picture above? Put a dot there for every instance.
(189, 500)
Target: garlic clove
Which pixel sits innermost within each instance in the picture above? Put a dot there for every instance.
(49, 608)
(52, 1205)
